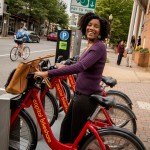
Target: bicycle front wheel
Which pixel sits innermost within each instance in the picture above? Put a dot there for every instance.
(51, 108)
(121, 116)
(113, 140)
(23, 133)
(14, 54)
(26, 52)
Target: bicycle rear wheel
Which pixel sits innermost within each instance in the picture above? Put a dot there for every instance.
(113, 139)
(121, 116)
(14, 54)
(23, 133)
(26, 52)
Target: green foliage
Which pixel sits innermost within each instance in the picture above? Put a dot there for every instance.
(40, 10)
(141, 49)
(121, 11)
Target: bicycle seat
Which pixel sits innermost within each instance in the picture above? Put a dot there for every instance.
(109, 81)
(106, 102)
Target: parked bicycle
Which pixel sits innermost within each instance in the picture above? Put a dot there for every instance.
(15, 53)
(120, 115)
(23, 133)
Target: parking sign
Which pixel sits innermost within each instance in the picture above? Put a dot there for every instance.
(64, 35)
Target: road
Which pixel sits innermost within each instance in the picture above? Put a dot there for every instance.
(37, 50)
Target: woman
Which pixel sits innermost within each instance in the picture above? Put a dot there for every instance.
(89, 69)
(121, 49)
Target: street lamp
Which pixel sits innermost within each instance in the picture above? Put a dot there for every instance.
(110, 21)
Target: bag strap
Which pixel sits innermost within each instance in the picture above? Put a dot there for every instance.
(38, 60)
(45, 79)
(47, 82)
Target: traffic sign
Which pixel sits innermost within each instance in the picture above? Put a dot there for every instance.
(82, 6)
(64, 35)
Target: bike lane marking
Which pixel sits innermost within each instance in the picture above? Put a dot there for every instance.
(31, 52)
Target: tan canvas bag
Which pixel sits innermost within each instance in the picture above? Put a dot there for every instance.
(18, 82)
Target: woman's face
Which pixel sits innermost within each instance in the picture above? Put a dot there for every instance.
(93, 29)
(122, 42)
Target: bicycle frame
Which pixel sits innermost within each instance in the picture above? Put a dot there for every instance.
(56, 83)
(33, 99)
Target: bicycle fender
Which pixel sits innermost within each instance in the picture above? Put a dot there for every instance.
(122, 94)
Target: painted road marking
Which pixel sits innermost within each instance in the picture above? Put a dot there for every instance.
(31, 52)
(144, 105)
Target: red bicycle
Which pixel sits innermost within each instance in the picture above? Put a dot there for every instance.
(120, 115)
(23, 133)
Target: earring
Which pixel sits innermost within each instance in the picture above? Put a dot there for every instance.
(99, 37)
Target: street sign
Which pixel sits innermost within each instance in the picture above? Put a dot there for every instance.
(82, 6)
(63, 44)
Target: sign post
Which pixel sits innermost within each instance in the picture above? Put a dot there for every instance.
(82, 6)
(63, 44)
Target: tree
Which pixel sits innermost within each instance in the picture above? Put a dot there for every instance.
(39, 11)
(121, 11)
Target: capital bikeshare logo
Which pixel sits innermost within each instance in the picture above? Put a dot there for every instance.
(86, 2)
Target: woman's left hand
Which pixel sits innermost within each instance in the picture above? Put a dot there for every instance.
(58, 65)
(40, 73)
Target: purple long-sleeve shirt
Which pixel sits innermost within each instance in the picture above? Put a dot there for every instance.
(89, 69)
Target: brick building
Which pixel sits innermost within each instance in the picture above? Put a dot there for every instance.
(140, 23)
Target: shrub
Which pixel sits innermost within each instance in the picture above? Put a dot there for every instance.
(141, 49)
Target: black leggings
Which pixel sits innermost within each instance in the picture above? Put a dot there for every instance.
(79, 110)
(119, 58)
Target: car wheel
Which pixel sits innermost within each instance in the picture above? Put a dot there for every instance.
(38, 40)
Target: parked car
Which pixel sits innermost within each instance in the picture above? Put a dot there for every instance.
(32, 35)
(52, 36)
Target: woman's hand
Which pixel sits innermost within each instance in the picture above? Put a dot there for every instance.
(40, 73)
(58, 65)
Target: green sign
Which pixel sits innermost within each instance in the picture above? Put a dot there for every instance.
(82, 6)
(63, 45)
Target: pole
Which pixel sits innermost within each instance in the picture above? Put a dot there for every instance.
(77, 41)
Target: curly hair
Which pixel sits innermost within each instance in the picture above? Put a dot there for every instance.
(104, 24)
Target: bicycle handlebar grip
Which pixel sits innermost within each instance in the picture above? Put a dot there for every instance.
(38, 79)
(59, 59)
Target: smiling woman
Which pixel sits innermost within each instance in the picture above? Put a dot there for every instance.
(89, 69)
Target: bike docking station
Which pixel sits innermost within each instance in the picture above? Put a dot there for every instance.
(5, 114)
(6, 101)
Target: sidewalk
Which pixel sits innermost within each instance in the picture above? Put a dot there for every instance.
(135, 82)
